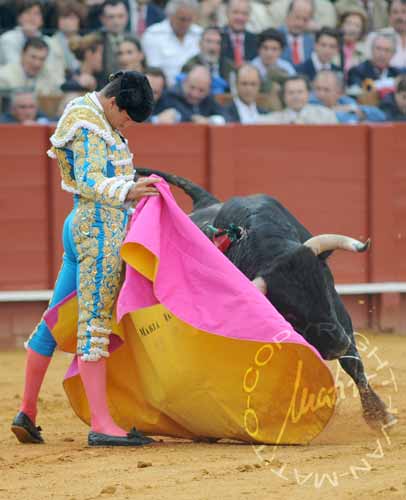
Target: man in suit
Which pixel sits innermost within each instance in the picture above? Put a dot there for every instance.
(143, 14)
(220, 67)
(238, 44)
(324, 14)
(114, 19)
(325, 50)
(299, 43)
(378, 67)
(243, 108)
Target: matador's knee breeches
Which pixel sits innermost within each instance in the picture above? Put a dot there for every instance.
(92, 239)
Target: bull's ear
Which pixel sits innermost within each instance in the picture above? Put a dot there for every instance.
(325, 255)
(259, 282)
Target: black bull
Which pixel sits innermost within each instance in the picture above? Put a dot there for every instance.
(289, 266)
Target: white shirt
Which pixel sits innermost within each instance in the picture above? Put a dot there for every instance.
(318, 65)
(163, 48)
(248, 113)
(280, 64)
(399, 59)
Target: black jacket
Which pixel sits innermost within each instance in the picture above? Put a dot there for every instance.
(232, 114)
(250, 45)
(175, 98)
(367, 70)
(307, 68)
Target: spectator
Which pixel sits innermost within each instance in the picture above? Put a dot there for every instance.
(192, 98)
(29, 23)
(210, 56)
(299, 43)
(329, 92)
(353, 24)
(271, 66)
(114, 19)
(394, 105)
(7, 16)
(214, 13)
(130, 55)
(30, 72)
(323, 14)
(397, 21)
(143, 13)
(170, 43)
(325, 51)
(378, 67)
(210, 13)
(162, 112)
(70, 15)
(295, 92)
(89, 51)
(24, 110)
(244, 108)
(238, 44)
(375, 10)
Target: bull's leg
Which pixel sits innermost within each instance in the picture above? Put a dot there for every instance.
(374, 409)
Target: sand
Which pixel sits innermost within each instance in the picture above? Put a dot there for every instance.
(348, 460)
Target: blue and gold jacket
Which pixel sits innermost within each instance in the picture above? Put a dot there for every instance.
(94, 160)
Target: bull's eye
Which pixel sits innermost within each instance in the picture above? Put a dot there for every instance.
(291, 318)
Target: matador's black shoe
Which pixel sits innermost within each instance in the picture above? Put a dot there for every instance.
(25, 430)
(133, 438)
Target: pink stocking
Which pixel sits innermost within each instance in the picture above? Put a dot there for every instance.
(93, 375)
(35, 369)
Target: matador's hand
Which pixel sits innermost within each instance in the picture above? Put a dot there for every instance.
(143, 187)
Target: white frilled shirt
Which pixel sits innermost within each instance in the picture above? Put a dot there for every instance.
(163, 48)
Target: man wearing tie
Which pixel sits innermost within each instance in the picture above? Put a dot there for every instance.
(325, 51)
(238, 44)
(299, 43)
(143, 13)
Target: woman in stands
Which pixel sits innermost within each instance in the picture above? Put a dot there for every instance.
(88, 50)
(130, 55)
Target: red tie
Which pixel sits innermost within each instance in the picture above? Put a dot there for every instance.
(238, 57)
(141, 22)
(295, 51)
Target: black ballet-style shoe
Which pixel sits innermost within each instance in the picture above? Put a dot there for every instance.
(25, 430)
(133, 438)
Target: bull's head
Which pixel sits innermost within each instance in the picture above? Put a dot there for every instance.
(300, 285)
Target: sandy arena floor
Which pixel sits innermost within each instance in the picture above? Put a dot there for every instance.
(347, 461)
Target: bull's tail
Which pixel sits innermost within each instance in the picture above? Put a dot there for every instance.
(201, 198)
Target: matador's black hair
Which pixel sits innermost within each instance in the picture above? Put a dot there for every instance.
(133, 94)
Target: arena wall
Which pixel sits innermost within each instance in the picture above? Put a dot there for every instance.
(337, 179)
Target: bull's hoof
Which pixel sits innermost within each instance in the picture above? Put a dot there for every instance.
(379, 420)
(375, 411)
(202, 439)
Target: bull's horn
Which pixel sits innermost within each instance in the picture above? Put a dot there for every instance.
(259, 282)
(328, 242)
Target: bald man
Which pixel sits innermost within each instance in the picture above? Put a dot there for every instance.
(244, 108)
(329, 92)
(324, 14)
(238, 44)
(192, 99)
(299, 43)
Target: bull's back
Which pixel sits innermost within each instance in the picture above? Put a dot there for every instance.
(261, 210)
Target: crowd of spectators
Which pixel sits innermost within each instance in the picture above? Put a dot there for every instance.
(209, 61)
